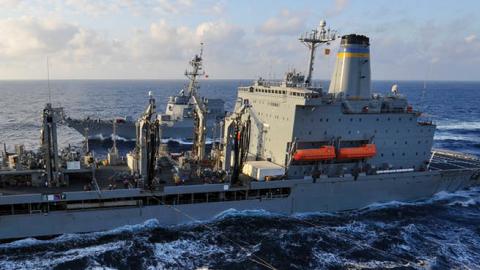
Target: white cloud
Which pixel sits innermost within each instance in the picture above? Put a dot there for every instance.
(338, 7)
(285, 23)
(470, 38)
(10, 3)
(158, 45)
(173, 6)
(27, 35)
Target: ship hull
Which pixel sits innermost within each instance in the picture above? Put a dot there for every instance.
(126, 130)
(329, 194)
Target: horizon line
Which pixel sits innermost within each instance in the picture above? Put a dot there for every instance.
(241, 79)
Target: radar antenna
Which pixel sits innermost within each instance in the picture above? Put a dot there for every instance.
(312, 40)
(197, 70)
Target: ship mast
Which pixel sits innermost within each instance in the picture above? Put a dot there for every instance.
(199, 108)
(312, 40)
(197, 70)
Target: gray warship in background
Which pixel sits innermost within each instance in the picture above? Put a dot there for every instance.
(288, 147)
(178, 120)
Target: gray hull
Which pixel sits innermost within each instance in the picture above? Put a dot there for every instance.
(327, 194)
(104, 129)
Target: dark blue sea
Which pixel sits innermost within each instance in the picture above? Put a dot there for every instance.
(439, 233)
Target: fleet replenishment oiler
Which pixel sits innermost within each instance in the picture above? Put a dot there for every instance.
(288, 147)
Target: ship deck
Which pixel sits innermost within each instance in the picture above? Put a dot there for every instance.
(449, 160)
(107, 178)
(118, 177)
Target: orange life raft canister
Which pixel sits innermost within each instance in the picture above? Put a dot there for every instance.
(364, 151)
(325, 152)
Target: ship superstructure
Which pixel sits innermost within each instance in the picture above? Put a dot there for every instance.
(288, 147)
(365, 131)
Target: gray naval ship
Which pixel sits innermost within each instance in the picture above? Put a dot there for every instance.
(178, 120)
(288, 147)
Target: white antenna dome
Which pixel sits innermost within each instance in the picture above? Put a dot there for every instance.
(395, 89)
(150, 93)
(323, 23)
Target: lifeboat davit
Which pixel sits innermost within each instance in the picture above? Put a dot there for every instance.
(325, 152)
(364, 151)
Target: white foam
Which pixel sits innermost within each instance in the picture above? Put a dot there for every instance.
(460, 197)
(466, 203)
(74, 237)
(454, 125)
(325, 259)
(244, 213)
(306, 215)
(51, 259)
(185, 141)
(186, 254)
(440, 136)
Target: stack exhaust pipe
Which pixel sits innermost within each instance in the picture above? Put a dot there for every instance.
(351, 76)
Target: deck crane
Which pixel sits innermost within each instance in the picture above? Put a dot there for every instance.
(148, 142)
(200, 111)
(237, 138)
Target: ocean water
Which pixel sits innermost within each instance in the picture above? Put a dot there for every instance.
(440, 233)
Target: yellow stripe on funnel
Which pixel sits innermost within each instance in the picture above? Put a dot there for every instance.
(352, 55)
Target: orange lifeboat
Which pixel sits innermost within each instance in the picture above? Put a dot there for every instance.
(364, 151)
(325, 152)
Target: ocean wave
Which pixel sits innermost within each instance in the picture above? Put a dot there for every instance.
(465, 198)
(192, 254)
(454, 125)
(81, 237)
(446, 136)
(52, 259)
(184, 141)
(244, 213)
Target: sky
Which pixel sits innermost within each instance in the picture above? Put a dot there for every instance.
(155, 39)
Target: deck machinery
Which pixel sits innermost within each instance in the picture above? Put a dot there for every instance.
(287, 147)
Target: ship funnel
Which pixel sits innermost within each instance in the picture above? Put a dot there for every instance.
(351, 77)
